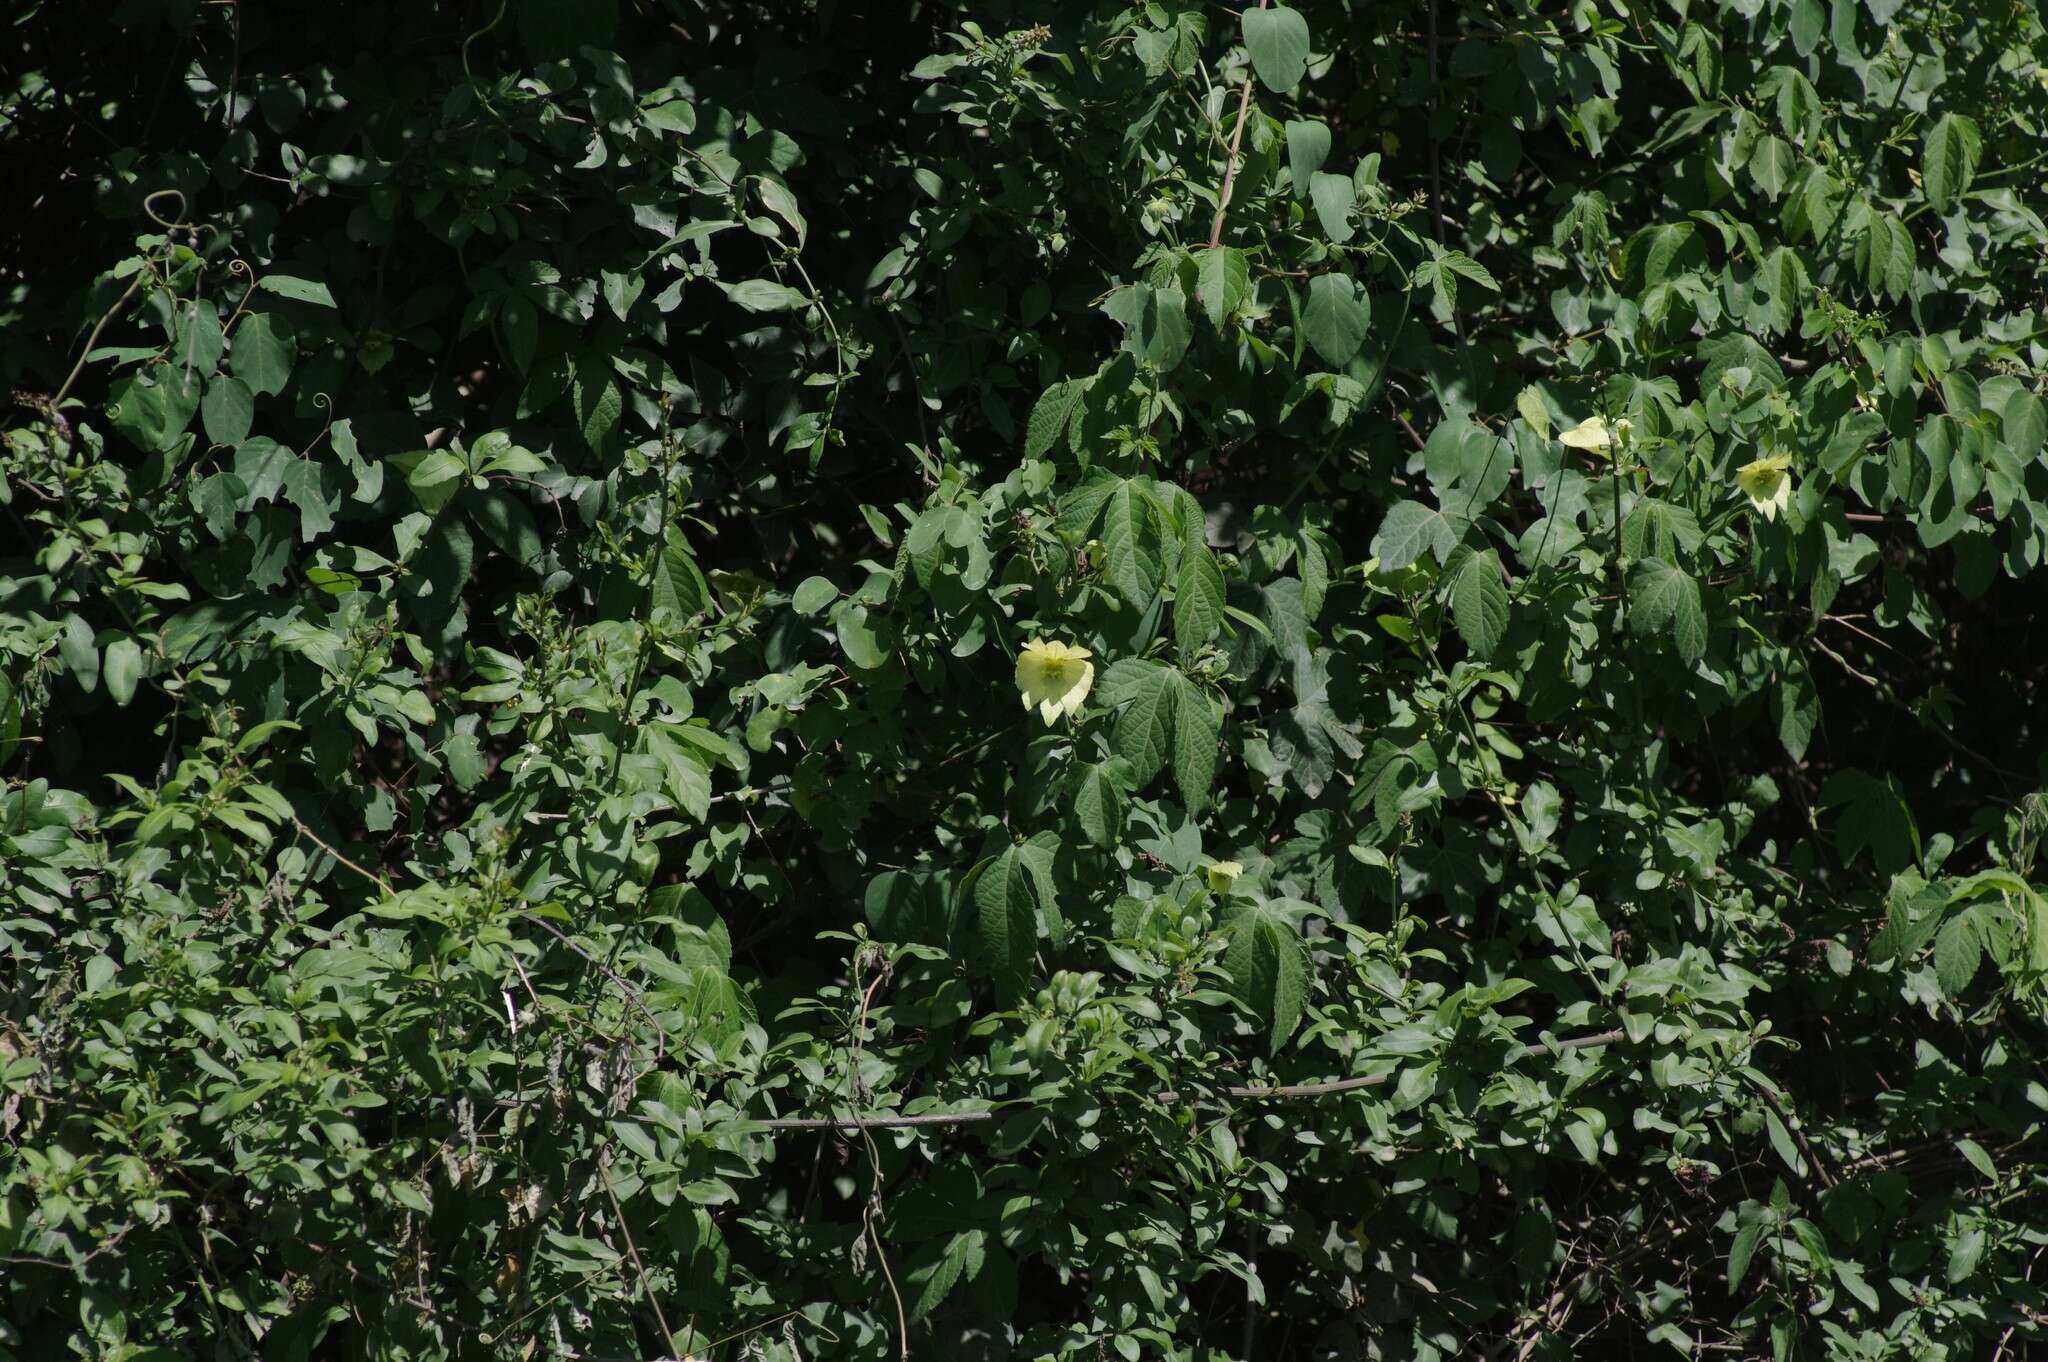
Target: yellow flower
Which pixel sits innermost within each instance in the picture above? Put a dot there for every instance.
(1222, 875)
(1054, 678)
(1590, 434)
(1767, 484)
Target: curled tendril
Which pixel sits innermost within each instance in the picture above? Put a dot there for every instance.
(326, 404)
(149, 208)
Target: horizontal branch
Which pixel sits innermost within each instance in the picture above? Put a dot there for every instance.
(1328, 1088)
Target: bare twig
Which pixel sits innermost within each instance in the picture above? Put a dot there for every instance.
(1281, 1092)
(1244, 100)
(632, 994)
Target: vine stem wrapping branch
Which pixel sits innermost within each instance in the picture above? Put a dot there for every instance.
(1244, 100)
(1327, 1088)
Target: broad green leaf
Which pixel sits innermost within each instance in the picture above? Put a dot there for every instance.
(1223, 276)
(1479, 603)
(1335, 318)
(765, 295)
(1007, 923)
(1958, 951)
(1268, 967)
(1885, 255)
(2025, 420)
(1795, 708)
(227, 411)
(1741, 1250)
(1145, 695)
(813, 595)
(1047, 426)
(432, 479)
(1099, 802)
(262, 350)
(122, 670)
(508, 523)
(961, 1257)
(1948, 160)
(1411, 530)
(1308, 146)
(1333, 197)
(1772, 165)
(1198, 600)
(306, 487)
(1195, 730)
(299, 290)
(153, 408)
(1278, 40)
(1665, 598)
(678, 585)
(1131, 544)
(1155, 322)
(595, 395)
(864, 644)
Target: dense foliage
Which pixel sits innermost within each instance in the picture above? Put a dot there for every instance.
(524, 526)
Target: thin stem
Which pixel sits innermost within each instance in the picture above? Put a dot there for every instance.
(1244, 100)
(1280, 1092)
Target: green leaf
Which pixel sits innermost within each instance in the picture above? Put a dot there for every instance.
(1795, 708)
(1198, 600)
(1976, 1156)
(813, 595)
(1335, 318)
(1099, 802)
(262, 352)
(1223, 276)
(227, 411)
(2025, 421)
(962, 1256)
(305, 487)
(1958, 951)
(678, 586)
(765, 295)
(595, 394)
(1131, 544)
(1277, 38)
(1948, 160)
(1049, 416)
(1333, 196)
(1742, 1250)
(1479, 603)
(1195, 730)
(865, 645)
(1411, 530)
(1772, 165)
(508, 523)
(1308, 146)
(1155, 322)
(1268, 967)
(622, 290)
(297, 289)
(1656, 528)
(122, 670)
(1145, 695)
(1885, 256)
(432, 478)
(153, 408)
(216, 498)
(1663, 597)
(1007, 923)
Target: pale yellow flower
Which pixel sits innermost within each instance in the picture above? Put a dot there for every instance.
(1767, 483)
(1054, 678)
(1590, 434)
(1223, 874)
